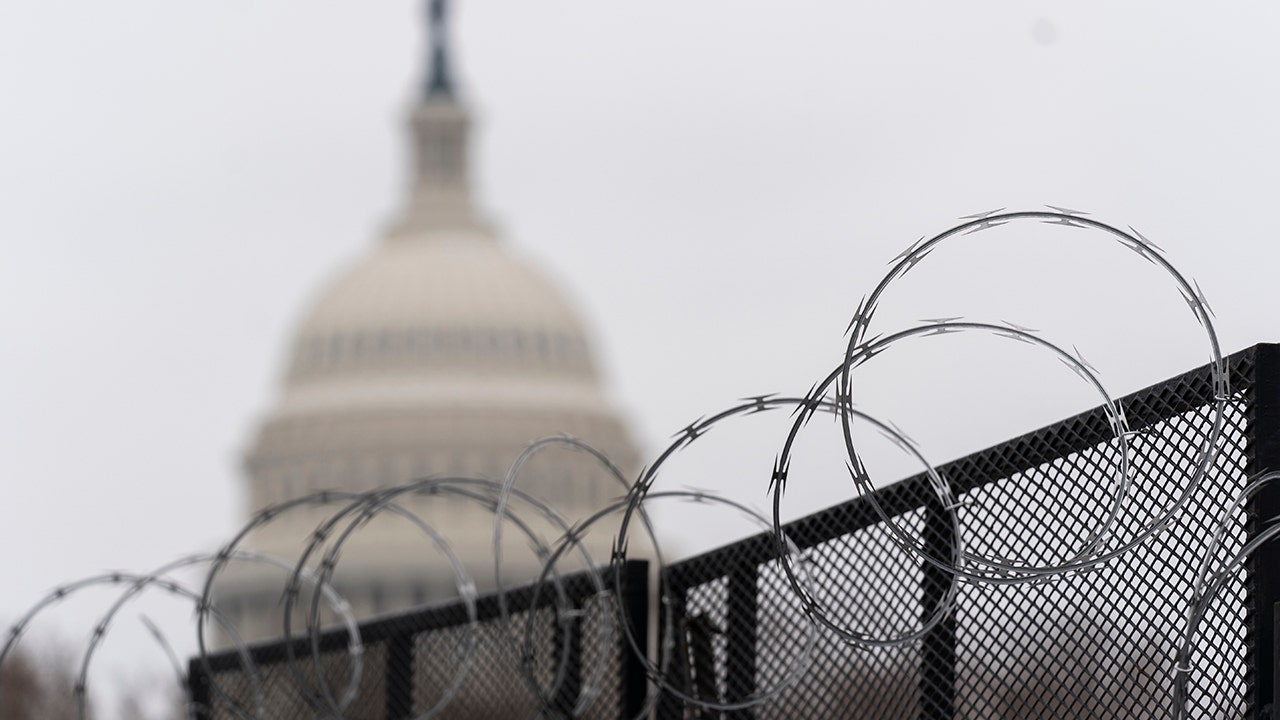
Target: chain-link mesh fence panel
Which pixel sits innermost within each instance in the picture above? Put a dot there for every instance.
(1093, 644)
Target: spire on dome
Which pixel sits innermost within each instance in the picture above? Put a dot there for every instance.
(440, 190)
(439, 82)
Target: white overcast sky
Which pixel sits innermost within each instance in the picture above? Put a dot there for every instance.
(717, 182)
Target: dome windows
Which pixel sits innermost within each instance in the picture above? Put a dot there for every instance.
(440, 346)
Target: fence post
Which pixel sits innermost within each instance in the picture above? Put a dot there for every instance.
(740, 636)
(634, 611)
(938, 647)
(1275, 652)
(671, 618)
(198, 690)
(570, 623)
(1264, 440)
(399, 677)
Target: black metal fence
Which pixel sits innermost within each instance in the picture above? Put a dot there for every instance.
(1096, 644)
(410, 662)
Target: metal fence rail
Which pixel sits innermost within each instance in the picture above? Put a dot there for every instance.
(1097, 644)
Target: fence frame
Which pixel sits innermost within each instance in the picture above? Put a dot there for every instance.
(1258, 366)
(1253, 374)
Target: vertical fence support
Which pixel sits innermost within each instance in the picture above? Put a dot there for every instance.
(635, 612)
(567, 638)
(740, 636)
(938, 647)
(671, 619)
(1264, 455)
(1275, 653)
(198, 690)
(399, 677)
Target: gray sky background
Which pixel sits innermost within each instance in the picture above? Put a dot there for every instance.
(717, 183)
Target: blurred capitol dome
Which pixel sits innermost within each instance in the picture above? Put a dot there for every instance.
(437, 353)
